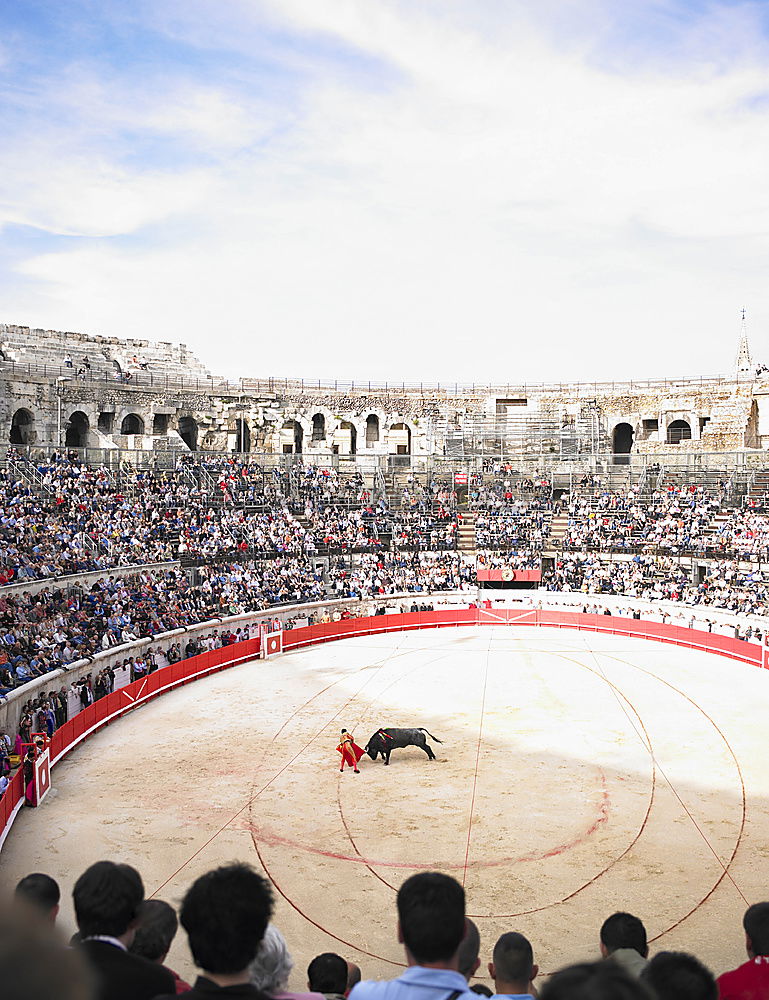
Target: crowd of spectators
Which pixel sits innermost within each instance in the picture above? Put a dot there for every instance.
(121, 946)
(675, 520)
(252, 558)
(725, 585)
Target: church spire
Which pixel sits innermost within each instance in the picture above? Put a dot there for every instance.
(744, 363)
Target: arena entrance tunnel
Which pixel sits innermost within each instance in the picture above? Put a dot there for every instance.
(577, 771)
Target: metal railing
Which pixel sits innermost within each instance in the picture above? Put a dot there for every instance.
(141, 379)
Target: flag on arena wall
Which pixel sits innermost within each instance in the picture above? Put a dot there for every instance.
(272, 643)
(42, 775)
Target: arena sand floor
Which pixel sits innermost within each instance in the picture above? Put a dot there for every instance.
(578, 774)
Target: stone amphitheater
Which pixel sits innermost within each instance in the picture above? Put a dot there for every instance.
(154, 398)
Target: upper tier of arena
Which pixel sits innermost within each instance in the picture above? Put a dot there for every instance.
(108, 395)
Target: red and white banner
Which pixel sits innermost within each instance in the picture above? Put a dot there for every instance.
(272, 643)
(509, 575)
(42, 776)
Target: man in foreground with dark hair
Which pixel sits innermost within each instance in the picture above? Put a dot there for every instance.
(41, 894)
(327, 974)
(154, 936)
(468, 955)
(595, 981)
(674, 975)
(353, 976)
(623, 941)
(225, 914)
(751, 979)
(107, 899)
(431, 926)
(512, 967)
(34, 962)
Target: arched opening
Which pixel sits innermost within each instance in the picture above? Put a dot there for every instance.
(22, 427)
(318, 427)
(346, 429)
(160, 423)
(77, 430)
(242, 440)
(679, 430)
(400, 439)
(132, 424)
(622, 442)
(372, 430)
(188, 432)
(291, 437)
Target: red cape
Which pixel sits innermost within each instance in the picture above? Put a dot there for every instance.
(353, 747)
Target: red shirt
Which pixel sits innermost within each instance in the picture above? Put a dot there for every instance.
(748, 982)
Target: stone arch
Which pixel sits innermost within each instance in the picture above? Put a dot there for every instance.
(346, 427)
(679, 430)
(318, 427)
(399, 438)
(291, 437)
(242, 440)
(22, 427)
(132, 424)
(188, 432)
(77, 427)
(372, 430)
(622, 443)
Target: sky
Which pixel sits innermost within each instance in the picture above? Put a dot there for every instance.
(437, 190)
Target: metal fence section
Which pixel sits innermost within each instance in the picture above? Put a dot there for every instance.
(275, 386)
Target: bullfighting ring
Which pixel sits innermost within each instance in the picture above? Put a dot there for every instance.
(578, 774)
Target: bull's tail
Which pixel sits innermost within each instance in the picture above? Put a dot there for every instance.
(421, 730)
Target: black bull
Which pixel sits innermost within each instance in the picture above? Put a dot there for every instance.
(384, 741)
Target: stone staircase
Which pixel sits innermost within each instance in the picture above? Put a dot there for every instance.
(759, 485)
(466, 533)
(558, 525)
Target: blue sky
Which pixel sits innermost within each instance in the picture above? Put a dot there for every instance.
(453, 189)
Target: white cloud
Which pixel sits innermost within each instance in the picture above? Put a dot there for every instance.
(499, 204)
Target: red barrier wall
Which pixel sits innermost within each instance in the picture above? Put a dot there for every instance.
(114, 705)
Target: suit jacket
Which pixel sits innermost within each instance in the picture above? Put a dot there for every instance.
(205, 989)
(121, 976)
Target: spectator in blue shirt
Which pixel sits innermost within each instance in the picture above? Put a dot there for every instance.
(431, 927)
(512, 967)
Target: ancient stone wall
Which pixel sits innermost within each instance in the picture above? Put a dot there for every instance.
(49, 396)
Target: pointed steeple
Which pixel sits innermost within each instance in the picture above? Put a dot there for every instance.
(744, 363)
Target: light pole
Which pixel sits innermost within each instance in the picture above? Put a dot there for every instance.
(59, 382)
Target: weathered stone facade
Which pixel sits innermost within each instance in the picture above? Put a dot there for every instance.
(104, 393)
